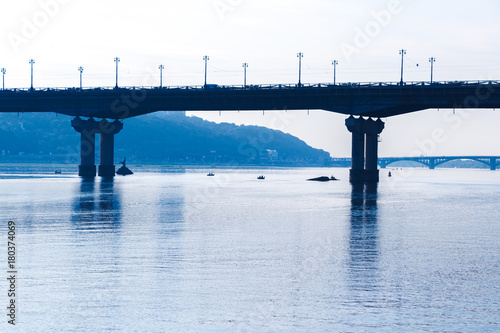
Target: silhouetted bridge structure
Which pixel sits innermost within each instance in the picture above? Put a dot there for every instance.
(359, 100)
(431, 161)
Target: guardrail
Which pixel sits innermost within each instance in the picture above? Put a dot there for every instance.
(265, 86)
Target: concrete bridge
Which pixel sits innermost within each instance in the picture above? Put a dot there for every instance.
(365, 103)
(430, 161)
(433, 161)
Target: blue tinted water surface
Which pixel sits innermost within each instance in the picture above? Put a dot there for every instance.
(172, 250)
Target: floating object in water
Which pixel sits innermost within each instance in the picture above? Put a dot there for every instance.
(211, 174)
(123, 170)
(323, 179)
(261, 177)
(57, 172)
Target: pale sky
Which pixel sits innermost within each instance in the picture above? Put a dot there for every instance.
(364, 36)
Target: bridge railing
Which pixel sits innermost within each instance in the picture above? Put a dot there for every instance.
(265, 86)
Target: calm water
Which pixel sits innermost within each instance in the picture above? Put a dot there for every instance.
(177, 251)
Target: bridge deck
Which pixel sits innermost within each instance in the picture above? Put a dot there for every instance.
(365, 99)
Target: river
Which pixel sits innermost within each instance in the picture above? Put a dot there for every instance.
(172, 250)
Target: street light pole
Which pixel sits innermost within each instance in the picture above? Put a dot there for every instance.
(402, 52)
(206, 58)
(335, 63)
(117, 60)
(432, 60)
(80, 69)
(161, 67)
(245, 66)
(32, 62)
(300, 55)
(3, 78)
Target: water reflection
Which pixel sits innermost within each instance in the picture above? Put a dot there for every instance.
(96, 207)
(363, 240)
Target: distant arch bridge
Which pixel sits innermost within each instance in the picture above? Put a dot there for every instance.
(493, 162)
(432, 161)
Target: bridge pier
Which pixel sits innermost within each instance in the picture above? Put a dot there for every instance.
(106, 156)
(432, 164)
(493, 164)
(364, 162)
(357, 150)
(88, 129)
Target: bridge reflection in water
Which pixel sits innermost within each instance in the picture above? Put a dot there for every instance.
(96, 208)
(363, 238)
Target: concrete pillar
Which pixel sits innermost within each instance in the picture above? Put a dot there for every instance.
(106, 156)
(364, 165)
(493, 163)
(107, 145)
(87, 155)
(432, 164)
(87, 130)
(372, 129)
(356, 174)
(371, 157)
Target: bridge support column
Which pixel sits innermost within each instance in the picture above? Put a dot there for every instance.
(354, 126)
(372, 129)
(493, 164)
(364, 164)
(432, 164)
(88, 129)
(106, 156)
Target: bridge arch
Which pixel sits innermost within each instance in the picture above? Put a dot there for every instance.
(384, 162)
(470, 158)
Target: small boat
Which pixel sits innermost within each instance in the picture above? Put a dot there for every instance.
(211, 174)
(123, 170)
(261, 177)
(57, 172)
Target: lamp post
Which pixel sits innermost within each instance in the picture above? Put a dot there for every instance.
(300, 55)
(432, 60)
(80, 69)
(32, 62)
(117, 60)
(402, 52)
(206, 58)
(3, 78)
(335, 63)
(161, 67)
(245, 66)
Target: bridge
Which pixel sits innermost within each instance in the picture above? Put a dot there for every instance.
(430, 161)
(433, 161)
(365, 103)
